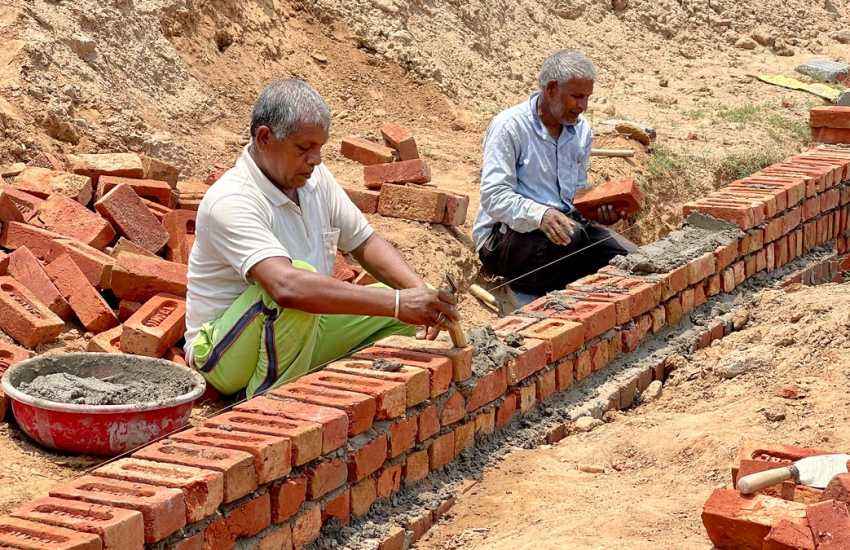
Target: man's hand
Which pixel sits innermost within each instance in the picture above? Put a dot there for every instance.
(607, 214)
(558, 227)
(431, 308)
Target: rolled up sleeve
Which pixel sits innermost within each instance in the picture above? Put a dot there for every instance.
(499, 181)
(242, 233)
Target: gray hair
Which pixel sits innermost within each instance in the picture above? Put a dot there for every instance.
(284, 105)
(565, 65)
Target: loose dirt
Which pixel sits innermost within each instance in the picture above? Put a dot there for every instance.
(657, 463)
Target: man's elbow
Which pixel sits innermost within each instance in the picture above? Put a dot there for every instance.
(288, 291)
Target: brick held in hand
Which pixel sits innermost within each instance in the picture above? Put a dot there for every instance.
(71, 219)
(86, 302)
(125, 210)
(401, 139)
(365, 152)
(23, 317)
(407, 171)
(155, 327)
(621, 194)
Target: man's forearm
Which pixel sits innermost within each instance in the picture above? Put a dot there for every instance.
(384, 262)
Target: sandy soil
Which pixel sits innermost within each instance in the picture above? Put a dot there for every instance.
(658, 462)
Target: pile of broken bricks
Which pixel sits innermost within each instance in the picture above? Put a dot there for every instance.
(784, 517)
(397, 180)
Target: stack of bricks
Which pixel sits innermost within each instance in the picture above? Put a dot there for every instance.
(830, 124)
(397, 180)
(782, 517)
(330, 445)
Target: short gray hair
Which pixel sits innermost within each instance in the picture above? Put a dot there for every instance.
(565, 65)
(284, 105)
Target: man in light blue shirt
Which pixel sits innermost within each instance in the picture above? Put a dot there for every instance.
(535, 159)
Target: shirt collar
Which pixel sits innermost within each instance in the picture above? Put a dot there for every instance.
(265, 185)
(541, 130)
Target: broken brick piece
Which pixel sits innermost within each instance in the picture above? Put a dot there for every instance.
(407, 171)
(24, 317)
(365, 152)
(732, 520)
(457, 206)
(126, 211)
(401, 139)
(786, 535)
(830, 524)
(17, 205)
(155, 327)
(86, 302)
(623, 195)
(71, 219)
(416, 203)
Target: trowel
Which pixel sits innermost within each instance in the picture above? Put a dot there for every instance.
(812, 471)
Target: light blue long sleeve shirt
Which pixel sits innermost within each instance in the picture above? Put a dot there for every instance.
(526, 171)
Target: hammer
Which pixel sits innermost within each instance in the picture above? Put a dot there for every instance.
(454, 328)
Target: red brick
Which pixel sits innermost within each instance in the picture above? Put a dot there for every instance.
(417, 381)
(407, 171)
(365, 458)
(159, 211)
(419, 525)
(27, 270)
(138, 278)
(359, 407)
(465, 435)
(334, 422)
(565, 374)
(830, 523)
(832, 116)
(777, 195)
(86, 302)
(118, 529)
(402, 434)
(18, 206)
(563, 337)
(43, 182)
(180, 225)
(831, 170)
(451, 407)
(485, 422)
(125, 210)
(153, 190)
(675, 282)
(11, 354)
(412, 202)
(307, 525)
(364, 199)
(203, 490)
(401, 139)
(461, 358)
(389, 478)
(244, 520)
(457, 206)
(712, 287)
(512, 324)
(506, 410)
(337, 506)
(21, 533)
(794, 188)
(440, 368)
(767, 200)
(69, 218)
(485, 389)
(306, 436)
(416, 467)
(725, 255)
(596, 317)
(24, 317)
(761, 260)
(390, 397)
(272, 455)
(546, 384)
(365, 493)
(583, 365)
(155, 327)
(526, 397)
(107, 164)
(530, 358)
(744, 214)
(786, 535)
(287, 496)
(811, 208)
(395, 540)
(621, 194)
(734, 521)
(442, 450)
(701, 268)
(95, 265)
(429, 423)
(324, 476)
(157, 169)
(163, 508)
(365, 152)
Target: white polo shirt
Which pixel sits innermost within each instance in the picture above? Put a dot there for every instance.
(244, 219)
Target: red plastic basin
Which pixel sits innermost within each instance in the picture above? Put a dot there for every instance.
(96, 429)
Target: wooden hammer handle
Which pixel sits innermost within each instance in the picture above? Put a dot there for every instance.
(748, 485)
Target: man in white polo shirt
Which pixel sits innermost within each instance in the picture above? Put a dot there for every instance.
(262, 307)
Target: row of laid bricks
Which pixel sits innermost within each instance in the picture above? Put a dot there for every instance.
(334, 442)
